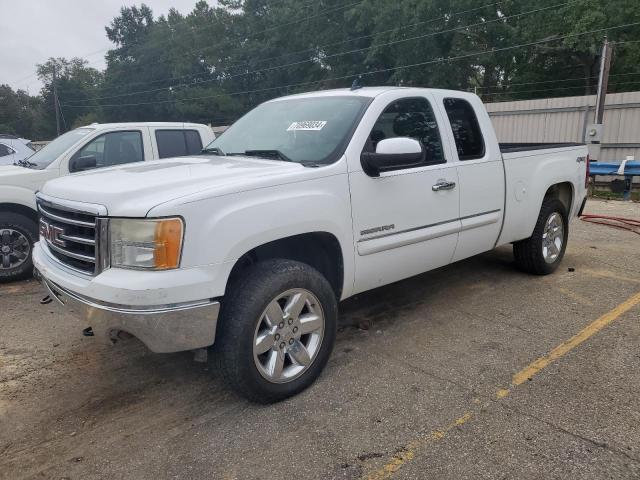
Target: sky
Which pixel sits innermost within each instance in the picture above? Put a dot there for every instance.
(34, 30)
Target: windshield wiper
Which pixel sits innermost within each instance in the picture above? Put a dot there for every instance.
(270, 154)
(25, 163)
(214, 150)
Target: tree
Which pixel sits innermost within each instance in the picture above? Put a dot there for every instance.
(216, 62)
(76, 83)
(20, 113)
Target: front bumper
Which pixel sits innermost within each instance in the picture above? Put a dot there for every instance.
(162, 328)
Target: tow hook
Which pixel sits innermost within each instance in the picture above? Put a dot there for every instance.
(46, 300)
(87, 332)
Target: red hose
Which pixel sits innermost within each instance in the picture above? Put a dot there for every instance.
(630, 224)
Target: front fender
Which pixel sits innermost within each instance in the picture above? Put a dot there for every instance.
(220, 230)
(11, 194)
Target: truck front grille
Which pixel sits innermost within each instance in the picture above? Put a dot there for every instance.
(71, 236)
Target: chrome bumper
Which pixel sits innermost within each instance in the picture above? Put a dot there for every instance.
(162, 328)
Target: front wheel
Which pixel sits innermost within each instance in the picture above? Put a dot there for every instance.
(276, 331)
(541, 253)
(18, 233)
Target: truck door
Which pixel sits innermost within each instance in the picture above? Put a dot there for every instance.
(405, 220)
(480, 173)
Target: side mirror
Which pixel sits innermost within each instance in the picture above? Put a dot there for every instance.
(80, 164)
(393, 154)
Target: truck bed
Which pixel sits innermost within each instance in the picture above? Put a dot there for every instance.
(521, 147)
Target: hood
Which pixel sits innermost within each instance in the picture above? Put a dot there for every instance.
(133, 190)
(11, 170)
(14, 175)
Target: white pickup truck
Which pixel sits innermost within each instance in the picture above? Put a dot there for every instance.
(303, 202)
(85, 148)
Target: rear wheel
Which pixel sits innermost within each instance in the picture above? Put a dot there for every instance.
(541, 253)
(276, 330)
(18, 233)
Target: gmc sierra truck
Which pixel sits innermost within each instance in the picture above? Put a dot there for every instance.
(303, 202)
(81, 149)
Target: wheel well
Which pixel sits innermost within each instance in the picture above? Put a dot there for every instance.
(21, 209)
(563, 192)
(320, 250)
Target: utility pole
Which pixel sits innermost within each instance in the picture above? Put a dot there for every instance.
(56, 104)
(603, 80)
(595, 131)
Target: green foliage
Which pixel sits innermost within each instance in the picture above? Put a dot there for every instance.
(214, 63)
(74, 79)
(21, 114)
(86, 119)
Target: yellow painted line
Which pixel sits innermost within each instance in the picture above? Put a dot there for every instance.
(565, 347)
(502, 392)
(410, 450)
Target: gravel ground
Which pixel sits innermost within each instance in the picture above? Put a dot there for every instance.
(420, 385)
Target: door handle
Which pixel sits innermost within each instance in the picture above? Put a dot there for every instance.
(443, 185)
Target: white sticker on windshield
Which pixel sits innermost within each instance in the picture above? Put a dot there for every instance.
(307, 125)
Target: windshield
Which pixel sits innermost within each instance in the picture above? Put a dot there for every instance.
(304, 130)
(43, 157)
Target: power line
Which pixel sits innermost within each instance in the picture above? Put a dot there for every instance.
(422, 22)
(319, 47)
(507, 85)
(173, 38)
(382, 70)
(95, 52)
(392, 42)
(623, 42)
(551, 90)
(516, 92)
(273, 27)
(24, 78)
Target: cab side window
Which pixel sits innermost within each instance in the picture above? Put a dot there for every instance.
(4, 150)
(114, 148)
(178, 143)
(466, 129)
(413, 118)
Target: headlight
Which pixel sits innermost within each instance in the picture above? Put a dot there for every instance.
(146, 244)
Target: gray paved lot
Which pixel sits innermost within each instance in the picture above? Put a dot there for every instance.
(422, 384)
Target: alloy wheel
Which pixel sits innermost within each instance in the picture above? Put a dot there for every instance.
(288, 336)
(14, 248)
(552, 237)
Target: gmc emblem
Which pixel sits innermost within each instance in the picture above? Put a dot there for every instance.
(52, 234)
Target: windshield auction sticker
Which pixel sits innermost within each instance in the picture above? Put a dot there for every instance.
(307, 125)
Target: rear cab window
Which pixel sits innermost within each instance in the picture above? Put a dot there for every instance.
(178, 143)
(466, 129)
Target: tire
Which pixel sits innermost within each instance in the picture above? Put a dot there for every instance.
(246, 317)
(18, 233)
(537, 254)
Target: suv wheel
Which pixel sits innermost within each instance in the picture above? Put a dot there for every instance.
(276, 331)
(18, 233)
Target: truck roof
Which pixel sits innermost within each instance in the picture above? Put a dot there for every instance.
(180, 125)
(369, 92)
